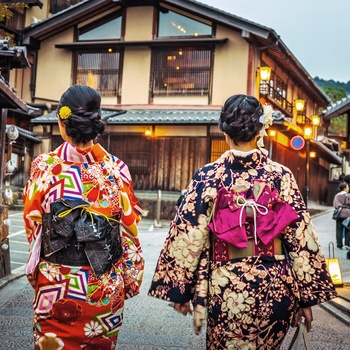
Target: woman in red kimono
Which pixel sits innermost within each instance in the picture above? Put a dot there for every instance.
(242, 248)
(81, 218)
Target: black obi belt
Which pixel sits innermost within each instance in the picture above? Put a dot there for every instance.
(74, 235)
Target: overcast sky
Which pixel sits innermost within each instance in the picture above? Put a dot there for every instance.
(316, 31)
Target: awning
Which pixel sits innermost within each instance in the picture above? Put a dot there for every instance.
(8, 99)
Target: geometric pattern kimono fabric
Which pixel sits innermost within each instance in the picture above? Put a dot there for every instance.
(73, 307)
(246, 302)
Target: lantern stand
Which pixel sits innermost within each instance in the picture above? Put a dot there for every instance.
(334, 267)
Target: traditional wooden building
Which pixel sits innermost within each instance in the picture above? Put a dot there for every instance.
(164, 69)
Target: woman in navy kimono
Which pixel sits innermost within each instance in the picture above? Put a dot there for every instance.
(242, 248)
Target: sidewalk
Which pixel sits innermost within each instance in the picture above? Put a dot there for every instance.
(150, 324)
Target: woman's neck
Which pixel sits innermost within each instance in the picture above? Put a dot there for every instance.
(82, 146)
(241, 146)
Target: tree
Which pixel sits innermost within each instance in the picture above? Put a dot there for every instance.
(6, 12)
(338, 124)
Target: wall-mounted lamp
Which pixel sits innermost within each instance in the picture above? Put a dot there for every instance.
(312, 154)
(272, 133)
(334, 267)
(307, 132)
(265, 73)
(299, 105)
(148, 132)
(316, 120)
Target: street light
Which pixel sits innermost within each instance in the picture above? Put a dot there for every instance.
(307, 137)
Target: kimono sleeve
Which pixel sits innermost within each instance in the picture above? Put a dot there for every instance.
(307, 262)
(183, 261)
(32, 198)
(132, 263)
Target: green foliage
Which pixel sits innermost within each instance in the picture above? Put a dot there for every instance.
(335, 91)
(6, 12)
(332, 83)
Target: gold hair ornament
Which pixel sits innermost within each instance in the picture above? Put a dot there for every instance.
(65, 112)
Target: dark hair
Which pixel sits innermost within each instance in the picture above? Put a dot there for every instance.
(85, 122)
(342, 186)
(239, 118)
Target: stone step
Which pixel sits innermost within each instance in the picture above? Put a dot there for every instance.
(339, 307)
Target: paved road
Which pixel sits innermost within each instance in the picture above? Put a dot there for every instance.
(18, 240)
(150, 324)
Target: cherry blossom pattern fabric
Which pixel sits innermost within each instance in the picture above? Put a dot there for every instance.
(249, 302)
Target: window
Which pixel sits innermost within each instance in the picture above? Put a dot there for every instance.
(110, 29)
(276, 89)
(59, 5)
(133, 148)
(218, 147)
(174, 24)
(181, 72)
(99, 70)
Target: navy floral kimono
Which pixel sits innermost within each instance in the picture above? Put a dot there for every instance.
(247, 290)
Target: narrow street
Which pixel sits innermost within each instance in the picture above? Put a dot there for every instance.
(149, 323)
(18, 240)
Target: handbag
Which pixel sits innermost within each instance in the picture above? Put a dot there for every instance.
(300, 337)
(336, 213)
(346, 223)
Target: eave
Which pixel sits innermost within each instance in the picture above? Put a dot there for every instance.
(9, 99)
(336, 109)
(59, 22)
(150, 43)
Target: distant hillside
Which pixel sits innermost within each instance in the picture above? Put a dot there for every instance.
(331, 83)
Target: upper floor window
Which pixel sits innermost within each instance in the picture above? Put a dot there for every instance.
(276, 89)
(108, 30)
(181, 72)
(99, 70)
(59, 5)
(173, 24)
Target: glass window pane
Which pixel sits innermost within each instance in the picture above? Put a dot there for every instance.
(181, 72)
(173, 24)
(106, 31)
(100, 70)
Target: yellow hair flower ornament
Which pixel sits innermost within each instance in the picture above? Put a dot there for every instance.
(65, 112)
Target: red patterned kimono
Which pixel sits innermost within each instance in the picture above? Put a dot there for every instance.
(74, 309)
(243, 288)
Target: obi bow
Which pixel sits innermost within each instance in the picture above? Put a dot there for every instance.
(97, 234)
(269, 213)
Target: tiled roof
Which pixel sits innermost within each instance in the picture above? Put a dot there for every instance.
(166, 117)
(137, 117)
(338, 108)
(27, 134)
(51, 118)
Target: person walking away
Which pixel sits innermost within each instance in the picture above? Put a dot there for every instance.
(342, 199)
(242, 248)
(81, 216)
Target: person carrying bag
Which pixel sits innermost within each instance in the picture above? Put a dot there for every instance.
(341, 201)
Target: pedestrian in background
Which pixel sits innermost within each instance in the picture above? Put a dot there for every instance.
(81, 216)
(342, 199)
(242, 248)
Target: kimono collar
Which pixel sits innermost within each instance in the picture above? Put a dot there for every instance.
(70, 153)
(241, 160)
